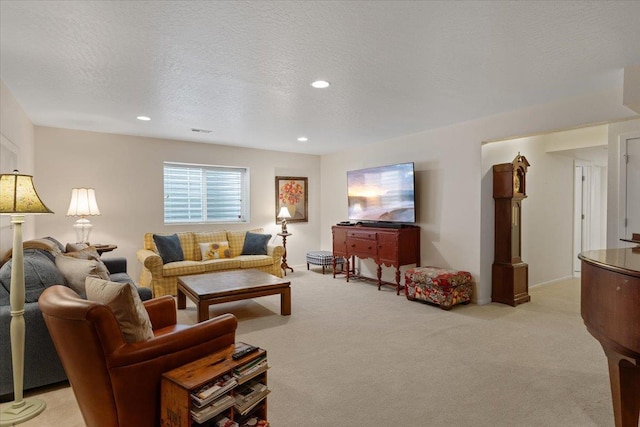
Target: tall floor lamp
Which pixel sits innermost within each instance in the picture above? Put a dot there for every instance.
(17, 198)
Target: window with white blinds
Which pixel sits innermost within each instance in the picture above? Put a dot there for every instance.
(205, 194)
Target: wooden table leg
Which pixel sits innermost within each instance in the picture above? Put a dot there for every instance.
(203, 311)
(285, 301)
(182, 299)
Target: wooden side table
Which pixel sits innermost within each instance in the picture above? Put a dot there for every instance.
(284, 264)
(105, 248)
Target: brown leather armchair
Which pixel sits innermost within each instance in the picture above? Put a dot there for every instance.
(115, 383)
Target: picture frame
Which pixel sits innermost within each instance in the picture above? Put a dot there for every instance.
(292, 192)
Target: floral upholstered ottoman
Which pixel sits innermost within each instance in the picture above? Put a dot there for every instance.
(438, 286)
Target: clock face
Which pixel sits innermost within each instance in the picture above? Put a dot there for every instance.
(516, 183)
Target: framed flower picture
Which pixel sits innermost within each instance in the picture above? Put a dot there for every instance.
(291, 192)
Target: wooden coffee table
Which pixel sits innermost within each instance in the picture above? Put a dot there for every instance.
(225, 286)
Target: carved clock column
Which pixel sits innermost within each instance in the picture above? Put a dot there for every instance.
(510, 275)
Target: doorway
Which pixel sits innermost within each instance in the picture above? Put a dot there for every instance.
(630, 181)
(590, 209)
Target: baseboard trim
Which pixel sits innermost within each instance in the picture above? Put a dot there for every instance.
(483, 301)
(552, 282)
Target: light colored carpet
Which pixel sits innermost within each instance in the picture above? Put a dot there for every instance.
(350, 355)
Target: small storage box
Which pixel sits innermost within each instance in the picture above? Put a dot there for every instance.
(323, 258)
(443, 287)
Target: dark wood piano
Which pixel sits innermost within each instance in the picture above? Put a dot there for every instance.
(610, 306)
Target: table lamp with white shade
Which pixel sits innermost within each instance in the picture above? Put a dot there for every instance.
(83, 203)
(284, 214)
(17, 198)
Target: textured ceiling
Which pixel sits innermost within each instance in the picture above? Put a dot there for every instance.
(243, 69)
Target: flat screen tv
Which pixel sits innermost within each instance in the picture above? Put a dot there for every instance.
(382, 194)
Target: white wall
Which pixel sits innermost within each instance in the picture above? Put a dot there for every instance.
(452, 191)
(17, 132)
(592, 136)
(447, 229)
(455, 202)
(547, 212)
(126, 172)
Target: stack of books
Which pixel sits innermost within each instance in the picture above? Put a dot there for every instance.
(213, 390)
(200, 415)
(249, 395)
(212, 398)
(249, 370)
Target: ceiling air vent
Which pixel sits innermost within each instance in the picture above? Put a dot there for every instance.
(200, 130)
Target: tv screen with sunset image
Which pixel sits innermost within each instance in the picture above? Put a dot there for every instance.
(382, 194)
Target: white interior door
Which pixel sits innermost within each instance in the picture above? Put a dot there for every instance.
(589, 225)
(577, 217)
(632, 196)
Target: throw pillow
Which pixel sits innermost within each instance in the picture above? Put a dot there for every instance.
(126, 305)
(255, 244)
(90, 252)
(76, 270)
(169, 248)
(215, 250)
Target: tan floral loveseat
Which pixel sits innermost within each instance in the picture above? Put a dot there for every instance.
(162, 278)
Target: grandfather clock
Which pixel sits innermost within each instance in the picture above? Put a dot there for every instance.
(510, 276)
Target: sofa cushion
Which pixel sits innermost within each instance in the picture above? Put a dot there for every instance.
(221, 264)
(255, 244)
(253, 261)
(4, 296)
(182, 268)
(215, 250)
(76, 270)
(236, 240)
(127, 307)
(90, 252)
(169, 248)
(40, 272)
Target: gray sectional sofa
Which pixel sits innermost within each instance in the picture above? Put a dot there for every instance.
(41, 363)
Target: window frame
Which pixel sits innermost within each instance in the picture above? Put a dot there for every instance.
(245, 192)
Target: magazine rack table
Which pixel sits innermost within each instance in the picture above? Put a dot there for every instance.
(177, 386)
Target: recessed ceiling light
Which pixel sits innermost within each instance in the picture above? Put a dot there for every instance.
(303, 139)
(143, 118)
(320, 84)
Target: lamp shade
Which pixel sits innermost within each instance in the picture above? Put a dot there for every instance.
(83, 202)
(19, 196)
(284, 213)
